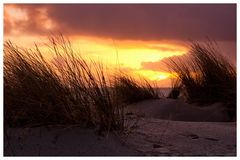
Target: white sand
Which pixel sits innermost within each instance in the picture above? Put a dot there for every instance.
(154, 127)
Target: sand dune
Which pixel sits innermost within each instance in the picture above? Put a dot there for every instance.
(173, 127)
(63, 141)
(154, 127)
(178, 110)
(178, 138)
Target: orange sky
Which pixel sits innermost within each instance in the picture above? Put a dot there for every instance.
(129, 55)
(25, 25)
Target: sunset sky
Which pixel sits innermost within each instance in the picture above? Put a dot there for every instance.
(141, 36)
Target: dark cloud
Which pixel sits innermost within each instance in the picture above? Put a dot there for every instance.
(161, 65)
(226, 49)
(146, 21)
(155, 66)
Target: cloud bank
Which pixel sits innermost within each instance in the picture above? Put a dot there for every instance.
(135, 21)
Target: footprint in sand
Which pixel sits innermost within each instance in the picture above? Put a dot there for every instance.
(193, 136)
(212, 139)
(157, 146)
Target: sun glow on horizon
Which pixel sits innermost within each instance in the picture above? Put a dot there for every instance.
(129, 55)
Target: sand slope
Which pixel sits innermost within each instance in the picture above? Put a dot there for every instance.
(154, 127)
(179, 110)
(63, 141)
(178, 138)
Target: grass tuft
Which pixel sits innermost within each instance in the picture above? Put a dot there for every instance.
(131, 91)
(65, 90)
(207, 77)
(175, 90)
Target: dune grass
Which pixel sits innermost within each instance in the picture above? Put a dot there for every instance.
(207, 77)
(175, 90)
(64, 89)
(129, 90)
